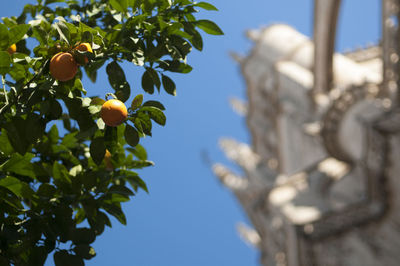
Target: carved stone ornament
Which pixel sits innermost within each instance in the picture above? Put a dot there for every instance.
(321, 178)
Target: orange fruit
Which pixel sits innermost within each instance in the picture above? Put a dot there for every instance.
(107, 161)
(113, 112)
(63, 66)
(12, 49)
(85, 47)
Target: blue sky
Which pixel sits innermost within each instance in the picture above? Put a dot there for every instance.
(188, 219)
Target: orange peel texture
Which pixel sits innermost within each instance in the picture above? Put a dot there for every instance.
(12, 49)
(63, 66)
(113, 112)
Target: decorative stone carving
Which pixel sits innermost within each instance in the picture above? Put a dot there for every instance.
(321, 180)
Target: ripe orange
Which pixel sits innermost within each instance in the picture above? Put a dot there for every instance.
(63, 66)
(107, 161)
(85, 47)
(113, 112)
(12, 49)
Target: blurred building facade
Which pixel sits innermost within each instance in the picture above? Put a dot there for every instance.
(322, 178)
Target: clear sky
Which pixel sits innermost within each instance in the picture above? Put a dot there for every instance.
(188, 219)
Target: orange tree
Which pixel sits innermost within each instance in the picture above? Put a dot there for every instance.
(60, 165)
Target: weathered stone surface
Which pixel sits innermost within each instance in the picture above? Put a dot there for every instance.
(321, 184)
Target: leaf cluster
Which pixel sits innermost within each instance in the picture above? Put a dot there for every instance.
(55, 173)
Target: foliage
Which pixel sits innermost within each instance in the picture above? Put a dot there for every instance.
(52, 143)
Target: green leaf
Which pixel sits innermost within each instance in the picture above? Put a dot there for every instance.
(174, 28)
(83, 236)
(87, 36)
(145, 123)
(55, 110)
(38, 255)
(91, 69)
(137, 102)
(5, 145)
(18, 72)
(97, 101)
(47, 2)
(147, 82)
(184, 68)
(16, 186)
(40, 34)
(176, 66)
(169, 85)
(119, 5)
(53, 134)
(154, 76)
(139, 151)
(206, 6)
(17, 33)
(117, 79)
(102, 219)
(197, 40)
(36, 125)
(84, 251)
(63, 258)
(80, 216)
(5, 62)
(131, 136)
(9, 22)
(112, 198)
(111, 138)
(209, 27)
(16, 130)
(69, 140)
(135, 181)
(190, 17)
(139, 164)
(138, 125)
(120, 190)
(156, 114)
(154, 104)
(46, 190)
(60, 173)
(94, 109)
(4, 37)
(115, 210)
(20, 165)
(97, 150)
(96, 32)
(63, 31)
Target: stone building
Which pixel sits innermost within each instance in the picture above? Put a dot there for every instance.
(322, 177)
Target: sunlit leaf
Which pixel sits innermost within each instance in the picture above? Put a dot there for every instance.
(4, 37)
(206, 6)
(16, 186)
(5, 62)
(137, 102)
(17, 32)
(156, 114)
(209, 27)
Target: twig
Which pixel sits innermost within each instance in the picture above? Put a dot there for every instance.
(3, 81)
